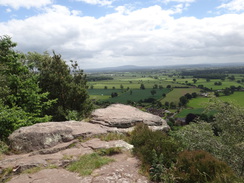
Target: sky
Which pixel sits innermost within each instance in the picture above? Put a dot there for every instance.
(108, 33)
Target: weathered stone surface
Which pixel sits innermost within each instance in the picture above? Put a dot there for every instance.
(125, 116)
(99, 144)
(48, 176)
(45, 135)
(123, 170)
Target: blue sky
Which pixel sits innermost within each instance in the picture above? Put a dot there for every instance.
(103, 33)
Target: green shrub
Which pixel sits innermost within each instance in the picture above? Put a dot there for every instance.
(146, 141)
(109, 151)
(3, 147)
(200, 166)
(14, 118)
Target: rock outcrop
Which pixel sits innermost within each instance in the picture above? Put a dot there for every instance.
(125, 116)
(46, 135)
(115, 118)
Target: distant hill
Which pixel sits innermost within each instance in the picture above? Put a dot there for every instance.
(129, 68)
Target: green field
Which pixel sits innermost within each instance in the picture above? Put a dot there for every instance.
(237, 98)
(199, 102)
(138, 95)
(125, 82)
(102, 94)
(174, 95)
(131, 82)
(184, 112)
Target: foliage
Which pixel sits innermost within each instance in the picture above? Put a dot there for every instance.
(158, 172)
(22, 85)
(14, 118)
(224, 137)
(3, 148)
(201, 167)
(64, 83)
(22, 101)
(109, 151)
(145, 140)
(87, 163)
(5, 174)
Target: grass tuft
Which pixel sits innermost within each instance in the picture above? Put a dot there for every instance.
(87, 163)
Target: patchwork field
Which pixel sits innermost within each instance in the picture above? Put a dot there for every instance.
(174, 95)
(124, 96)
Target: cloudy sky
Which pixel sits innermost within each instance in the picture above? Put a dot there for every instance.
(106, 33)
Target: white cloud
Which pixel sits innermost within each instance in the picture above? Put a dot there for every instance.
(8, 10)
(233, 5)
(180, 1)
(148, 36)
(98, 2)
(16, 4)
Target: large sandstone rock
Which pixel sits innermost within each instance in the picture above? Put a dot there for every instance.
(125, 116)
(45, 135)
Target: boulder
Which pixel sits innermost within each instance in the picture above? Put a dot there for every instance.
(125, 116)
(46, 135)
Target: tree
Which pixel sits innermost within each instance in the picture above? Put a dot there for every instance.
(216, 93)
(172, 105)
(194, 80)
(155, 86)
(188, 96)
(190, 117)
(22, 85)
(65, 83)
(227, 91)
(153, 92)
(166, 104)
(114, 94)
(22, 102)
(194, 95)
(168, 86)
(142, 87)
(183, 100)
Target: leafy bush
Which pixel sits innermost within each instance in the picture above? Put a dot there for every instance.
(109, 151)
(224, 137)
(200, 166)
(3, 148)
(146, 141)
(14, 118)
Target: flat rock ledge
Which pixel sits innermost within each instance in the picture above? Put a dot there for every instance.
(49, 134)
(124, 168)
(125, 116)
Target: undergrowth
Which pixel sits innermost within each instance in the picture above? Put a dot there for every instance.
(87, 163)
